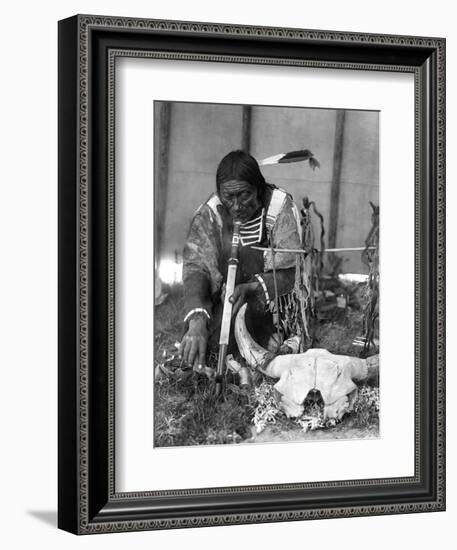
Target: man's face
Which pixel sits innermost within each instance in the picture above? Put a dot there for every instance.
(240, 199)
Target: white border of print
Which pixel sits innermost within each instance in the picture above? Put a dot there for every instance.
(138, 465)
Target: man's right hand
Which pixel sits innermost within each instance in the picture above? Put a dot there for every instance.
(194, 342)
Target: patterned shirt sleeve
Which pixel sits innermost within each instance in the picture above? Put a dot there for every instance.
(201, 276)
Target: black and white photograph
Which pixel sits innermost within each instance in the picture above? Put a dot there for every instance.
(226, 285)
(266, 259)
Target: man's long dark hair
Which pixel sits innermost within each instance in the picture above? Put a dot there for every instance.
(239, 165)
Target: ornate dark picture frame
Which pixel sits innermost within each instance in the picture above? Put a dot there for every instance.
(88, 47)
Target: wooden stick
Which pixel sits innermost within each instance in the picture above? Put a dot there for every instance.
(228, 306)
(302, 251)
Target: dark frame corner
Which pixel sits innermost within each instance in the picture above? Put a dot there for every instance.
(88, 44)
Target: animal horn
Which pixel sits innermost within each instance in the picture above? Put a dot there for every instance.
(365, 370)
(254, 355)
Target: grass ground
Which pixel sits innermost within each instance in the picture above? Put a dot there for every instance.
(187, 412)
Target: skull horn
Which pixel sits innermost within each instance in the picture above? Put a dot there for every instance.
(254, 355)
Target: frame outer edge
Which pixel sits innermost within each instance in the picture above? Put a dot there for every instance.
(237, 30)
(83, 131)
(441, 274)
(68, 451)
(84, 22)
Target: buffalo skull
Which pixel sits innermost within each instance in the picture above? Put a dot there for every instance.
(334, 376)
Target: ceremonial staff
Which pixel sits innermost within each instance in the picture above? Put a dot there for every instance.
(227, 311)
